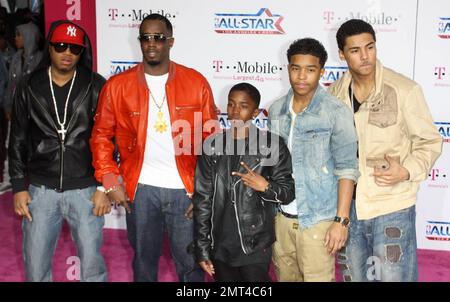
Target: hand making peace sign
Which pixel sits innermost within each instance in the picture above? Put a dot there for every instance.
(252, 179)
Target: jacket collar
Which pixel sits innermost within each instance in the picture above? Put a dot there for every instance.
(376, 95)
(313, 107)
(40, 80)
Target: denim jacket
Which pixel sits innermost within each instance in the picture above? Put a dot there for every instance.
(324, 146)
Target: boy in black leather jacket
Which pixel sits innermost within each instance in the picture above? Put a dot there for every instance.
(243, 174)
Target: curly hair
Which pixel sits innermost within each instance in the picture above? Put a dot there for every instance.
(308, 46)
(251, 90)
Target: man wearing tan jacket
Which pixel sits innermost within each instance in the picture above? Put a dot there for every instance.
(397, 146)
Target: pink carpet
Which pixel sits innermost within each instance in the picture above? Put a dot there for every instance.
(433, 265)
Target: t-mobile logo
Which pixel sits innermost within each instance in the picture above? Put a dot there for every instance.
(439, 72)
(435, 174)
(113, 13)
(217, 65)
(328, 17)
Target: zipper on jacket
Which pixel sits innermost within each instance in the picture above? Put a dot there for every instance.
(187, 107)
(63, 148)
(212, 213)
(236, 211)
(61, 165)
(237, 218)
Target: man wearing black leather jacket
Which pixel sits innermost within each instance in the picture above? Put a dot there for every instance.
(240, 178)
(50, 162)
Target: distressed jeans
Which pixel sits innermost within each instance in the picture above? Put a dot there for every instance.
(381, 249)
(153, 211)
(49, 209)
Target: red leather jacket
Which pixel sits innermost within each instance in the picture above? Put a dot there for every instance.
(122, 114)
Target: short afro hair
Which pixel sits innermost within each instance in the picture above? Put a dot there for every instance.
(308, 46)
(251, 90)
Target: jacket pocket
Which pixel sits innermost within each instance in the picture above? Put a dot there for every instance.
(187, 110)
(315, 147)
(383, 110)
(253, 222)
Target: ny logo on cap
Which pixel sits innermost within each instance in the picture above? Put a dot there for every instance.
(71, 31)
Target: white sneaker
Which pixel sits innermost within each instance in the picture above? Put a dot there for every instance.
(5, 187)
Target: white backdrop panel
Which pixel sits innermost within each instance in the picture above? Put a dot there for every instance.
(433, 73)
(232, 41)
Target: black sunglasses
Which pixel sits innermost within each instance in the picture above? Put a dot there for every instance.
(61, 47)
(158, 38)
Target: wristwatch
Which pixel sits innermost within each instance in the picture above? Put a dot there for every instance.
(345, 221)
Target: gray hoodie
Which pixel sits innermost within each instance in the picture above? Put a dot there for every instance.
(32, 56)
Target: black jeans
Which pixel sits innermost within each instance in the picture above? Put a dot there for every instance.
(258, 272)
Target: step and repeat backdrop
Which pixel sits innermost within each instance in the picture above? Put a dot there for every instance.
(231, 41)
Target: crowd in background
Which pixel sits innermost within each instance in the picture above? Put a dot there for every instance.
(21, 42)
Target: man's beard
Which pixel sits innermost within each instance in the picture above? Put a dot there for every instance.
(153, 63)
(67, 69)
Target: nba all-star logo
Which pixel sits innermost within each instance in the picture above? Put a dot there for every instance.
(444, 130)
(260, 121)
(263, 22)
(438, 230)
(120, 66)
(332, 74)
(444, 28)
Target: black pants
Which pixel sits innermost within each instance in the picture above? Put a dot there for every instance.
(248, 273)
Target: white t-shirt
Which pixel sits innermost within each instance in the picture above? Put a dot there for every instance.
(291, 208)
(159, 168)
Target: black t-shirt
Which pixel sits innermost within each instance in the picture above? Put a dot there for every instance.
(61, 97)
(228, 247)
(356, 106)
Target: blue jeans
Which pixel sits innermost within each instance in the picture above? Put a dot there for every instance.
(48, 209)
(381, 249)
(153, 211)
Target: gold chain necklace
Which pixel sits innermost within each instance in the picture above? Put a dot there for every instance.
(160, 124)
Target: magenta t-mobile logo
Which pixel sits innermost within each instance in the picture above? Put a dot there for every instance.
(328, 16)
(434, 174)
(439, 72)
(217, 65)
(113, 13)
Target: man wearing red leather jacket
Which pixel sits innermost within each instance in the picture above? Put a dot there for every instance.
(158, 113)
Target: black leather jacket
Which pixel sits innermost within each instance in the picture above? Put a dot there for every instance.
(36, 152)
(255, 211)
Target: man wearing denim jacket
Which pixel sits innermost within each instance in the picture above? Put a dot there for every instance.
(321, 136)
